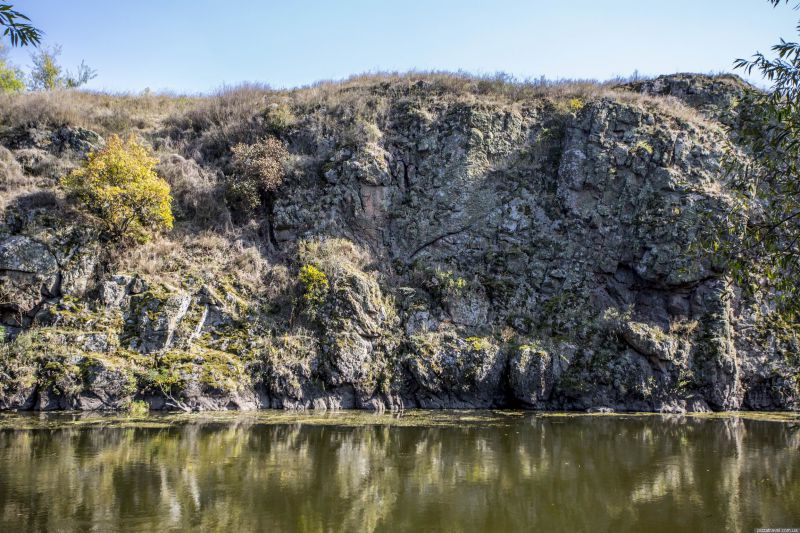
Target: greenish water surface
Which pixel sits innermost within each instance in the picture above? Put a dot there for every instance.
(419, 471)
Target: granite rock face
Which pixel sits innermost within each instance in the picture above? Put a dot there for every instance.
(469, 252)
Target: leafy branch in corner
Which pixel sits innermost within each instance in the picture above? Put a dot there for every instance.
(758, 238)
(18, 28)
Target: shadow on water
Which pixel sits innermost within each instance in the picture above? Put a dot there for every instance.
(441, 472)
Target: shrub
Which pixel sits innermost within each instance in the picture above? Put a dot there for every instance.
(448, 283)
(315, 286)
(243, 196)
(479, 344)
(11, 80)
(138, 408)
(258, 170)
(279, 118)
(118, 185)
(642, 146)
(575, 104)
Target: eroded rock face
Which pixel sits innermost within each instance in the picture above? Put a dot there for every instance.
(65, 141)
(715, 361)
(715, 95)
(29, 273)
(451, 372)
(476, 252)
(154, 318)
(534, 370)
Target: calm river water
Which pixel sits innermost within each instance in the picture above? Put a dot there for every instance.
(422, 471)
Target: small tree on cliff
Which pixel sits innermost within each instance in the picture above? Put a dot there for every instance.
(119, 187)
(258, 171)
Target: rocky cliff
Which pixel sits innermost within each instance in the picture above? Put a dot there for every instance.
(466, 243)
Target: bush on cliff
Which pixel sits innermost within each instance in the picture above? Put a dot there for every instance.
(315, 287)
(258, 171)
(120, 188)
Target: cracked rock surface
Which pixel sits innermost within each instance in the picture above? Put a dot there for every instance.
(478, 252)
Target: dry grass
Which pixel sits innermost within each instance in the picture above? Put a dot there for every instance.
(206, 126)
(683, 327)
(444, 84)
(213, 124)
(101, 112)
(227, 105)
(17, 186)
(236, 114)
(117, 113)
(332, 251)
(196, 192)
(204, 257)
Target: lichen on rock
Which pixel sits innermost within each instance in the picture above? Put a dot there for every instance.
(435, 241)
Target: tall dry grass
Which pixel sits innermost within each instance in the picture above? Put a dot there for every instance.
(17, 186)
(229, 106)
(103, 112)
(206, 257)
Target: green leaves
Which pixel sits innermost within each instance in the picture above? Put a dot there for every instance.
(760, 234)
(18, 31)
(119, 186)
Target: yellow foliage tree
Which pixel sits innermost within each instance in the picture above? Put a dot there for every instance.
(120, 187)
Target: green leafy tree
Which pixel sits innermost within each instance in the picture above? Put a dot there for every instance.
(17, 27)
(118, 185)
(48, 75)
(11, 78)
(759, 239)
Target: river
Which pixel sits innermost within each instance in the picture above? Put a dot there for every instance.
(416, 471)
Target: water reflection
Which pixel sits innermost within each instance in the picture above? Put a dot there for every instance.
(530, 473)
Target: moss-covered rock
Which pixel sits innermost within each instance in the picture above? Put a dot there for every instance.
(451, 371)
(154, 316)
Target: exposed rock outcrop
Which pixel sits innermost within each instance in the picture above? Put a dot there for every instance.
(464, 249)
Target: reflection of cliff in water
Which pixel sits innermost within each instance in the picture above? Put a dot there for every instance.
(584, 473)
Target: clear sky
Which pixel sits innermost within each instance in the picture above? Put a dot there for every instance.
(192, 46)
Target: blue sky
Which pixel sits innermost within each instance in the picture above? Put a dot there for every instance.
(192, 46)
